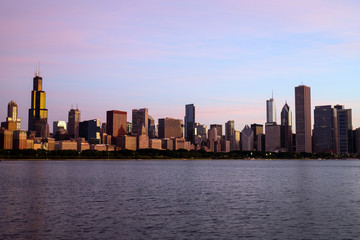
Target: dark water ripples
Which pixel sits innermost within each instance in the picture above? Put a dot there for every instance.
(221, 199)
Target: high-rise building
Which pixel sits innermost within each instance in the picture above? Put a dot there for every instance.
(286, 128)
(170, 127)
(57, 125)
(152, 127)
(73, 123)
(90, 130)
(257, 130)
(116, 124)
(218, 129)
(190, 123)
(12, 120)
(230, 134)
(140, 120)
(325, 129)
(247, 139)
(345, 132)
(272, 138)
(303, 119)
(38, 114)
(270, 111)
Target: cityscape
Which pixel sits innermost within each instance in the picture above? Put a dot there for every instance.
(331, 133)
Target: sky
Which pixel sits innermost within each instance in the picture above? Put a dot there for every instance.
(226, 57)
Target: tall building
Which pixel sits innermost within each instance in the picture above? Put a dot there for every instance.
(286, 128)
(140, 119)
(247, 139)
(73, 123)
(272, 138)
(12, 120)
(270, 111)
(170, 127)
(345, 132)
(38, 114)
(325, 129)
(230, 134)
(218, 129)
(57, 125)
(90, 130)
(190, 123)
(257, 130)
(303, 119)
(152, 127)
(116, 124)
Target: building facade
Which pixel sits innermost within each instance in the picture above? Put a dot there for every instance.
(190, 123)
(303, 119)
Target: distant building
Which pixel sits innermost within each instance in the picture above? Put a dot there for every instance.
(190, 123)
(152, 128)
(257, 130)
(57, 125)
(170, 127)
(155, 144)
(38, 114)
(230, 134)
(90, 130)
(247, 139)
(200, 133)
(73, 123)
(357, 141)
(270, 111)
(139, 119)
(128, 127)
(126, 142)
(303, 119)
(6, 138)
(12, 121)
(345, 129)
(286, 128)
(116, 124)
(218, 129)
(19, 139)
(325, 130)
(272, 138)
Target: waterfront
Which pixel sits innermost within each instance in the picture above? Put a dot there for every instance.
(215, 199)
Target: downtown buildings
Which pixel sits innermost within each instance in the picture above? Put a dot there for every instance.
(332, 130)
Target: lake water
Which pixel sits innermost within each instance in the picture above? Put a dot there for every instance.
(215, 199)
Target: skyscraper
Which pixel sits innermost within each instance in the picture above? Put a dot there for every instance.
(38, 114)
(140, 120)
(286, 128)
(218, 129)
(247, 139)
(303, 119)
(270, 112)
(73, 123)
(345, 132)
(90, 130)
(325, 129)
(170, 127)
(116, 124)
(230, 134)
(12, 120)
(190, 123)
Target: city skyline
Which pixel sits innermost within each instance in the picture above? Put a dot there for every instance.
(225, 58)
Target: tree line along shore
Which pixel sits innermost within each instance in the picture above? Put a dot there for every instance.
(31, 154)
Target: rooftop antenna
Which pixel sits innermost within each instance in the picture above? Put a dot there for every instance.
(35, 69)
(39, 69)
(77, 106)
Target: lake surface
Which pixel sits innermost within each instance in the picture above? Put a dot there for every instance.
(215, 199)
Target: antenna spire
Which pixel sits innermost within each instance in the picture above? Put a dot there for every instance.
(39, 69)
